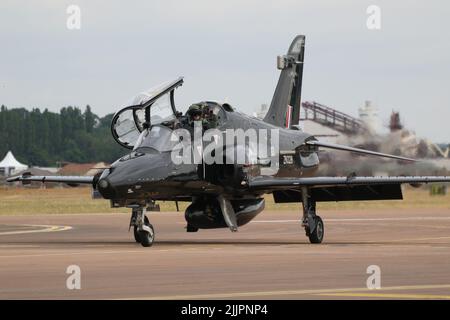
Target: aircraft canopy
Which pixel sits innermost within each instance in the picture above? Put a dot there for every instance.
(148, 108)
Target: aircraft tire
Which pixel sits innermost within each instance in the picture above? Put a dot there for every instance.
(316, 235)
(147, 238)
(137, 237)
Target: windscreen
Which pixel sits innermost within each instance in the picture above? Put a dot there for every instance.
(157, 137)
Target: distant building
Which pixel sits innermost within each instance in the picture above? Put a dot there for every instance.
(52, 170)
(262, 111)
(327, 123)
(368, 114)
(82, 169)
(395, 123)
(10, 166)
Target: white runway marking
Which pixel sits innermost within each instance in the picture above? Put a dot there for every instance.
(45, 228)
(232, 295)
(387, 295)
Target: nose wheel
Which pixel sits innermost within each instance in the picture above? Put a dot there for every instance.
(144, 237)
(142, 228)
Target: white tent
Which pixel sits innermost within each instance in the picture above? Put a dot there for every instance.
(9, 165)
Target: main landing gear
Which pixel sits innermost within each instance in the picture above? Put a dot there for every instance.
(142, 228)
(312, 223)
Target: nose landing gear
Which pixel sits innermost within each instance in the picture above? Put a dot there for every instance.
(142, 229)
(313, 224)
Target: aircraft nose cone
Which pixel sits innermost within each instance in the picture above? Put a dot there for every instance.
(144, 171)
(105, 188)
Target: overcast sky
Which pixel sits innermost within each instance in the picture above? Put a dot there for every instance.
(226, 50)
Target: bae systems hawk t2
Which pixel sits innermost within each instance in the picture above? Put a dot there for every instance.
(226, 193)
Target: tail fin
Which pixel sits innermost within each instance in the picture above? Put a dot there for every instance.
(285, 106)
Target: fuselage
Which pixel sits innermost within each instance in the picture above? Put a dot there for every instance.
(148, 173)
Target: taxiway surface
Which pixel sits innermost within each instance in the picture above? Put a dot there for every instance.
(270, 258)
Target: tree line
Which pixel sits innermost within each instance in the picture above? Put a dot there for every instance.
(44, 138)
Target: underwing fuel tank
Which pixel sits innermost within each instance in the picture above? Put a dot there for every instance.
(206, 213)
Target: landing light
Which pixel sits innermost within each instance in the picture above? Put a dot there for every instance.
(103, 184)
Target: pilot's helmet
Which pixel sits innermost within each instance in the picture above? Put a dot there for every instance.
(194, 110)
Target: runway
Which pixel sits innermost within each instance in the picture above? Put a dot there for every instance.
(271, 258)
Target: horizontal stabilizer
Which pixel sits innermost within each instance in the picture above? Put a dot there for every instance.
(356, 150)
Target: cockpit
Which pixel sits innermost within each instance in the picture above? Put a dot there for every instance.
(148, 119)
(158, 137)
(210, 113)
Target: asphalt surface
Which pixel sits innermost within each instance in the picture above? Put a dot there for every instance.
(270, 258)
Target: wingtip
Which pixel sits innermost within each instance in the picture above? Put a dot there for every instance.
(13, 179)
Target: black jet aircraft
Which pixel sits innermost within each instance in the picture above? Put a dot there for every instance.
(228, 194)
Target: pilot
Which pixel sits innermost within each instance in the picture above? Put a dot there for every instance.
(194, 113)
(203, 113)
(210, 119)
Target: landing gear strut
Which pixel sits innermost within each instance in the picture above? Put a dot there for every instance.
(313, 224)
(142, 228)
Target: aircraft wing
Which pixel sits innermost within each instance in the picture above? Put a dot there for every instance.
(349, 188)
(317, 182)
(71, 180)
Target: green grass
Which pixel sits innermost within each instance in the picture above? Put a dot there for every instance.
(18, 201)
